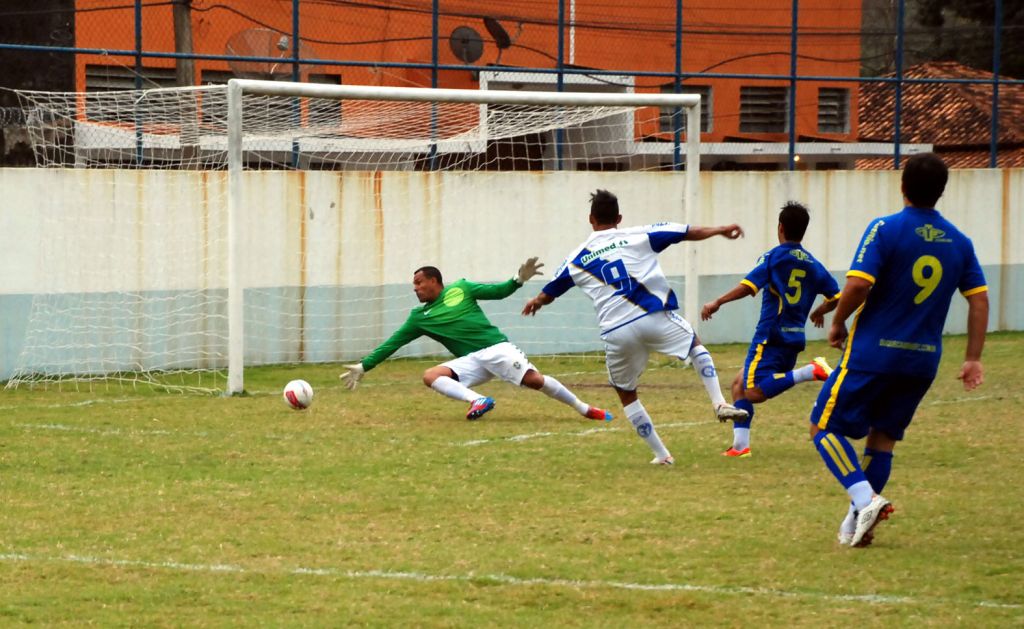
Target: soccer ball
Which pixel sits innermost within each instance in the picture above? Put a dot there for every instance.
(298, 394)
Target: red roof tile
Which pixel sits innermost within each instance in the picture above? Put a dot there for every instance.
(954, 117)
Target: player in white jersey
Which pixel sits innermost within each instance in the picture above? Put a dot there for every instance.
(618, 269)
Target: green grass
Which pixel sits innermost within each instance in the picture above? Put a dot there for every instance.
(132, 507)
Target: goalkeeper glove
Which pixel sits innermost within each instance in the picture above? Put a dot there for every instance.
(352, 377)
(528, 270)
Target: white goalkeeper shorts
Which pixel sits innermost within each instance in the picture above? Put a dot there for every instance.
(628, 348)
(503, 360)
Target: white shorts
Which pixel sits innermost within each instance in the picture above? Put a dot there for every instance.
(503, 360)
(628, 348)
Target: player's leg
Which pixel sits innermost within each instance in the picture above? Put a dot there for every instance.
(744, 398)
(891, 412)
(673, 336)
(841, 411)
(455, 379)
(626, 356)
(552, 388)
(784, 380)
(509, 363)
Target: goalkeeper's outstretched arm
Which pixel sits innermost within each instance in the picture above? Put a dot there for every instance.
(501, 290)
(403, 335)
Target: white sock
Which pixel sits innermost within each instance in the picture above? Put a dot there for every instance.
(740, 438)
(861, 494)
(454, 389)
(849, 524)
(803, 374)
(555, 389)
(705, 368)
(638, 416)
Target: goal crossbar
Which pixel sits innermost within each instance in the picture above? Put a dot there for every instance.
(237, 88)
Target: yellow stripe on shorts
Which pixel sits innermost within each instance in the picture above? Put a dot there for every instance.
(753, 365)
(830, 405)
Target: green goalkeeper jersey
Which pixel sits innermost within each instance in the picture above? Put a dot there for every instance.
(454, 319)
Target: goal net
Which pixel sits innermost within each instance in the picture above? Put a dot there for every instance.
(184, 234)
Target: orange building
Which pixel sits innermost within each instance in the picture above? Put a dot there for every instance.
(624, 38)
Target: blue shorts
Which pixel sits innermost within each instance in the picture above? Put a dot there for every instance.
(764, 360)
(852, 402)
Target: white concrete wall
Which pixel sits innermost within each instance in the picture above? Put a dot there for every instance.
(97, 231)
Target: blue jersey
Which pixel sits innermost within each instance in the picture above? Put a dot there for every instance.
(793, 279)
(915, 260)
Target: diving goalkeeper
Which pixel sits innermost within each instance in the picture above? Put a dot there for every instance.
(451, 316)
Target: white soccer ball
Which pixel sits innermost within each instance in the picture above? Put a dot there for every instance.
(298, 394)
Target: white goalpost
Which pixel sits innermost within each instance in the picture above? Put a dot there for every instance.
(191, 232)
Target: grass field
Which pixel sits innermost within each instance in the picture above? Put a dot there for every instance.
(384, 507)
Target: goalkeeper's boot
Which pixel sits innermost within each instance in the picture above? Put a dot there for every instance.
(868, 518)
(663, 460)
(725, 412)
(822, 370)
(600, 415)
(740, 454)
(479, 407)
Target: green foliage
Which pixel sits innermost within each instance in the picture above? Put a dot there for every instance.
(384, 507)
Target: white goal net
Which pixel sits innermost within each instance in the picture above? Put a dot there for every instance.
(188, 233)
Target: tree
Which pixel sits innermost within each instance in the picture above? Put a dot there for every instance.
(963, 31)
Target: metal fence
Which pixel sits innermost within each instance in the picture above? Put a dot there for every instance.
(790, 73)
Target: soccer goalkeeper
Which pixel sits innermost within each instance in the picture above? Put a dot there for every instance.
(451, 316)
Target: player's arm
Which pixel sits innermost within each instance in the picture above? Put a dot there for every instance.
(542, 299)
(403, 335)
(741, 290)
(818, 314)
(552, 290)
(866, 266)
(853, 296)
(974, 288)
(758, 277)
(501, 290)
(977, 323)
(732, 232)
(830, 289)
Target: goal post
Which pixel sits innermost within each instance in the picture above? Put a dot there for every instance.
(238, 88)
(181, 235)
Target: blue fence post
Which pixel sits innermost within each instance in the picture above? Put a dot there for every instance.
(435, 10)
(791, 114)
(898, 113)
(296, 77)
(993, 149)
(677, 158)
(560, 133)
(138, 79)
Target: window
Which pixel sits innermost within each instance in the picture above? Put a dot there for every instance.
(833, 110)
(103, 78)
(764, 109)
(705, 107)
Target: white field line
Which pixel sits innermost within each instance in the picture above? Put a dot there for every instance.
(503, 579)
(568, 433)
(72, 404)
(104, 431)
(961, 400)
